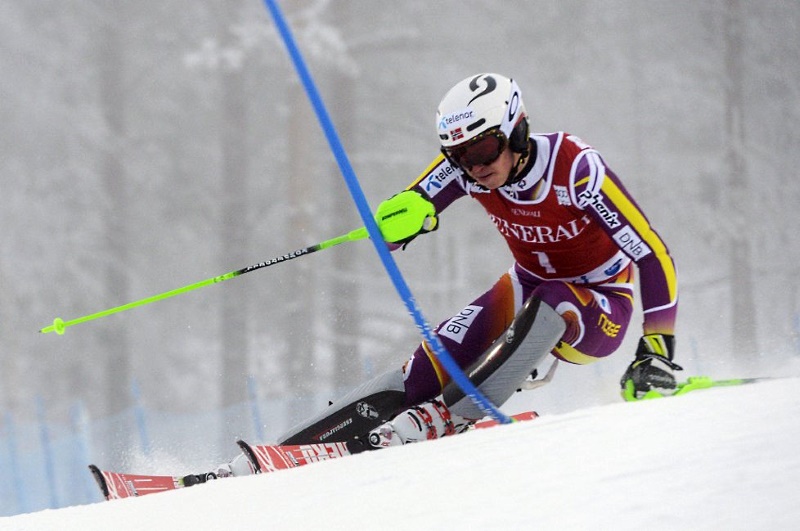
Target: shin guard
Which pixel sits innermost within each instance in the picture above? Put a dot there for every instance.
(503, 368)
(355, 414)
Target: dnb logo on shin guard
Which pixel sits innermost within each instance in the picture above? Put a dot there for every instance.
(456, 328)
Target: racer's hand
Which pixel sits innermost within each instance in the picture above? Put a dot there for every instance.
(404, 216)
(653, 366)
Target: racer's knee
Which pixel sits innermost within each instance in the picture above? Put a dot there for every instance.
(596, 320)
(560, 295)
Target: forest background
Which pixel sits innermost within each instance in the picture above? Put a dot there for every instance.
(152, 144)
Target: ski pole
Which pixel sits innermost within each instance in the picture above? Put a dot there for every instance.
(59, 325)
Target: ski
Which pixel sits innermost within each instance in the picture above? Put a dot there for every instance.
(116, 485)
(693, 383)
(519, 417)
(265, 458)
(269, 458)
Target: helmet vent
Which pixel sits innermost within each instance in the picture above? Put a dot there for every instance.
(475, 125)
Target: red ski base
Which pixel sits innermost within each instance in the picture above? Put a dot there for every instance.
(265, 458)
(528, 415)
(116, 485)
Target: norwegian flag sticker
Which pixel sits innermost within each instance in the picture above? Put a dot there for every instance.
(457, 133)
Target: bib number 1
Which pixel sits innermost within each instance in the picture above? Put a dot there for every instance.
(544, 261)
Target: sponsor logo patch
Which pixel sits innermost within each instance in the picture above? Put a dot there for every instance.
(631, 243)
(452, 119)
(609, 328)
(540, 233)
(456, 328)
(342, 425)
(614, 269)
(562, 195)
(609, 217)
(602, 301)
(438, 179)
(366, 410)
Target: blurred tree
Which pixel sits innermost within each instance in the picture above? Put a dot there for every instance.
(111, 59)
(743, 326)
(233, 249)
(298, 299)
(345, 317)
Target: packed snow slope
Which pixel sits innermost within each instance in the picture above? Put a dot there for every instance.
(725, 458)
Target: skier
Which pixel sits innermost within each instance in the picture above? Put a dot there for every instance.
(574, 232)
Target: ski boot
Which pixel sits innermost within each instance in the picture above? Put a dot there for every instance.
(239, 466)
(195, 479)
(429, 420)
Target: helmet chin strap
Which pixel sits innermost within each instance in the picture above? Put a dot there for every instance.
(527, 154)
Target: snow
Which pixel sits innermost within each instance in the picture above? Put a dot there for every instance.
(725, 458)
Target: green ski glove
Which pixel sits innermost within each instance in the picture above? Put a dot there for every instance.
(404, 216)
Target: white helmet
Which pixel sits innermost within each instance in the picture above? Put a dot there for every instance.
(480, 105)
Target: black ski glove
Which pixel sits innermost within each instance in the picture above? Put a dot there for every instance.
(653, 366)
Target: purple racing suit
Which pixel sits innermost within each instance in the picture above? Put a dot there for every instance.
(575, 233)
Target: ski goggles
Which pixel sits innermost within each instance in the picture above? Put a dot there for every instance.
(482, 150)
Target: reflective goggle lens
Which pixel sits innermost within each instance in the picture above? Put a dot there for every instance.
(481, 152)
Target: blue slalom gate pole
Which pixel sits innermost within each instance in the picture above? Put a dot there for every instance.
(364, 211)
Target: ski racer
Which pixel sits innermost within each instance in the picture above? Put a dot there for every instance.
(575, 233)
